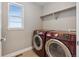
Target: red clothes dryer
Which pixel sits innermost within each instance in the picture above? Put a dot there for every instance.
(60, 44)
(38, 42)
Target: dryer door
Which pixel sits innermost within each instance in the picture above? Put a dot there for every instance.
(55, 48)
(37, 42)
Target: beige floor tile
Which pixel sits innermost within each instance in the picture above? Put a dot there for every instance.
(30, 53)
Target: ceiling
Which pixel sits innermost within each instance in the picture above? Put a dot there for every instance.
(41, 3)
(38, 3)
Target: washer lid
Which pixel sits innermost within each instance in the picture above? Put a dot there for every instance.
(38, 43)
(55, 48)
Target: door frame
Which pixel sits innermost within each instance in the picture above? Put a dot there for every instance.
(0, 31)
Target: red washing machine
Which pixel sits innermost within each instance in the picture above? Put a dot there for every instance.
(60, 44)
(38, 42)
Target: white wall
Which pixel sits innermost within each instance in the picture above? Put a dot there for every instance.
(55, 6)
(20, 39)
(66, 20)
(32, 21)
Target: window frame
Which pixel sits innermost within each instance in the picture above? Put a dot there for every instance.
(22, 28)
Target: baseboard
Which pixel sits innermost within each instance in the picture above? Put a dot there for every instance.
(17, 52)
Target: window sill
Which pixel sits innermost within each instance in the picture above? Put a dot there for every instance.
(18, 29)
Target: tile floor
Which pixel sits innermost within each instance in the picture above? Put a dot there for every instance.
(30, 53)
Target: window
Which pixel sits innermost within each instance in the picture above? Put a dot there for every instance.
(15, 16)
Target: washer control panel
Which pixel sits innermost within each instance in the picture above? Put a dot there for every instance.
(62, 36)
(66, 36)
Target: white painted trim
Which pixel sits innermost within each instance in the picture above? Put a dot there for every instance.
(18, 52)
(0, 28)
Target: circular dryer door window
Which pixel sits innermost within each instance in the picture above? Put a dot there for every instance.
(37, 42)
(55, 48)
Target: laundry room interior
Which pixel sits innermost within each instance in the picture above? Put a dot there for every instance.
(39, 29)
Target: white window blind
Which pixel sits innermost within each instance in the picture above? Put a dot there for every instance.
(15, 16)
